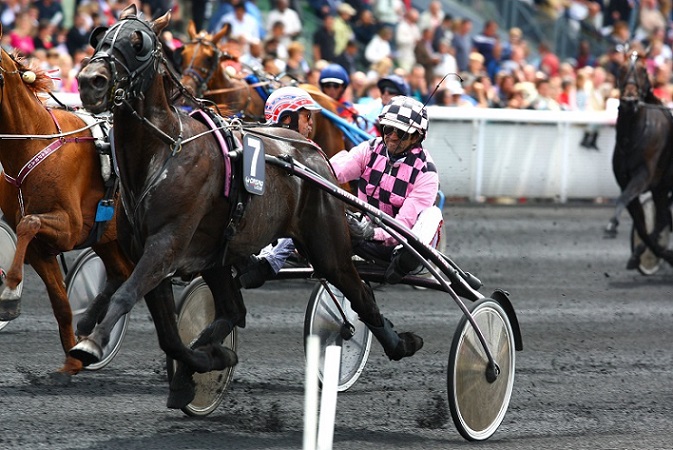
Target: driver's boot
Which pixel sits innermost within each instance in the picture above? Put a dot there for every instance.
(396, 346)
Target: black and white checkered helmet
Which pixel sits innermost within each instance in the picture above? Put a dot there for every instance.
(406, 114)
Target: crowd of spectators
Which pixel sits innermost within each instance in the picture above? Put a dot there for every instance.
(433, 51)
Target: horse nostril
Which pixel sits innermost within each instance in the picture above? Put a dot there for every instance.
(100, 82)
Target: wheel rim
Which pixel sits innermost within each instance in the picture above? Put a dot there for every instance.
(326, 322)
(84, 283)
(197, 311)
(7, 250)
(477, 406)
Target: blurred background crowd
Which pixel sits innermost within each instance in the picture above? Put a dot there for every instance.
(466, 61)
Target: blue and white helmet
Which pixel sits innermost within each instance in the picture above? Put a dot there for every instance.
(394, 83)
(406, 114)
(334, 73)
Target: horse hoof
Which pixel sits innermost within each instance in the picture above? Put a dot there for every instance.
(412, 343)
(182, 390)
(223, 357)
(633, 263)
(87, 351)
(10, 309)
(408, 345)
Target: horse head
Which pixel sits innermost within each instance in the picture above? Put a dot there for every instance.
(200, 59)
(633, 80)
(125, 62)
(16, 75)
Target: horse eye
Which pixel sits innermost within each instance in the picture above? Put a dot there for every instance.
(145, 45)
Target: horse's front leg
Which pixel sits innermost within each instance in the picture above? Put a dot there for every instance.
(147, 274)
(649, 240)
(636, 186)
(117, 269)
(10, 299)
(229, 312)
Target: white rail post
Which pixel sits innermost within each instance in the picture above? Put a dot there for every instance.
(311, 392)
(329, 395)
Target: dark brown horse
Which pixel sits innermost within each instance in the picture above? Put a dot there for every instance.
(49, 195)
(183, 214)
(643, 157)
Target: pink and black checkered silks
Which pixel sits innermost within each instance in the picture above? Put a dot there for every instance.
(386, 182)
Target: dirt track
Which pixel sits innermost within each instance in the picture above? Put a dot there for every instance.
(595, 372)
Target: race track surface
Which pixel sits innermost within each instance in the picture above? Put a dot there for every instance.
(595, 372)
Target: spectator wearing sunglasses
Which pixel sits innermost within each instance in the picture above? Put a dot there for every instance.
(389, 87)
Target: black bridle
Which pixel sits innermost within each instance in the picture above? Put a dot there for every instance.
(632, 77)
(202, 75)
(139, 67)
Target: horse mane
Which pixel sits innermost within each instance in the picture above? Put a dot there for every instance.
(43, 82)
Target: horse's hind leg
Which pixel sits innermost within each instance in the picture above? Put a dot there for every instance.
(10, 299)
(340, 271)
(229, 313)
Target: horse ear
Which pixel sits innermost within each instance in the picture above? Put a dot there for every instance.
(96, 36)
(130, 10)
(161, 22)
(191, 29)
(224, 31)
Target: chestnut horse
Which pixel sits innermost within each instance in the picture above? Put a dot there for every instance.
(50, 191)
(186, 210)
(204, 76)
(643, 157)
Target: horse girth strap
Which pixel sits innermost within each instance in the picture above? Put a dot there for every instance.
(41, 156)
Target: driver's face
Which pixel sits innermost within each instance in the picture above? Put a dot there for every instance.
(305, 123)
(397, 141)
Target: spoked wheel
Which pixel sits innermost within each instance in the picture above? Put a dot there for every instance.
(649, 262)
(477, 405)
(7, 250)
(83, 283)
(324, 319)
(196, 310)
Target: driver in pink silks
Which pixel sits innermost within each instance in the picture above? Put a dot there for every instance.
(396, 175)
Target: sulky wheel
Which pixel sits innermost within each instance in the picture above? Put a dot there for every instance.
(83, 283)
(649, 262)
(324, 319)
(196, 310)
(478, 405)
(7, 250)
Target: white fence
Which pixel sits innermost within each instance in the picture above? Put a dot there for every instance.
(483, 153)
